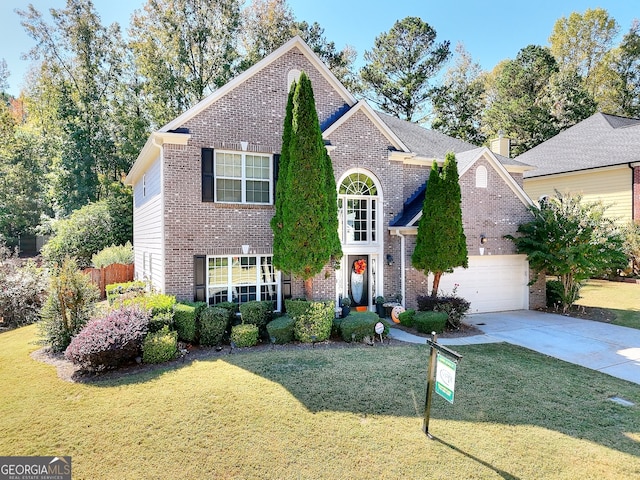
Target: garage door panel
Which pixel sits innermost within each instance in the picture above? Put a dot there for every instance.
(491, 283)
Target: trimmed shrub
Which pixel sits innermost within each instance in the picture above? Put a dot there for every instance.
(281, 329)
(245, 335)
(161, 320)
(257, 313)
(114, 254)
(454, 306)
(160, 346)
(233, 309)
(109, 341)
(361, 324)
(555, 292)
(312, 319)
(154, 302)
(68, 306)
(116, 290)
(427, 322)
(335, 326)
(213, 324)
(185, 319)
(407, 318)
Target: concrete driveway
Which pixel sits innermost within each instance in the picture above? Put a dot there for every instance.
(599, 346)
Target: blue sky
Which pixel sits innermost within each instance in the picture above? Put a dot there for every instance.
(491, 31)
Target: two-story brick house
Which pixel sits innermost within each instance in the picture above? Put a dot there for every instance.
(204, 195)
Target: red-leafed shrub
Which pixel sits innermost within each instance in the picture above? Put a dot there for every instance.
(109, 341)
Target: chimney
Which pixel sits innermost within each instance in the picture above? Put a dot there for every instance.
(501, 145)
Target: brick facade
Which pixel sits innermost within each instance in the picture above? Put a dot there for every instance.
(253, 112)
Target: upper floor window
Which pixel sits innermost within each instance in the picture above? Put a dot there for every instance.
(481, 177)
(236, 177)
(358, 209)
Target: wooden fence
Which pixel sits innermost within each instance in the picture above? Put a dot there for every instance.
(114, 273)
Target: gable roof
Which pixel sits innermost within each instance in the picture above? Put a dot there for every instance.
(295, 42)
(601, 140)
(412, 208)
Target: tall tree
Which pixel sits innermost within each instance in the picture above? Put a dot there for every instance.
(626, 65)
(458, 104)
(308, 236)
(441, 244)
(581, 41)
(80, 64)
(400, 65)
(516, 108)
(268, 24)
(184, 50)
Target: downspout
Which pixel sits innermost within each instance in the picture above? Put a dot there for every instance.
(402, 266)
(633, 193)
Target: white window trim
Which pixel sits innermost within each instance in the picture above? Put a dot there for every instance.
(258, 281)
(243, 179)
(482, 177)
(342, 220)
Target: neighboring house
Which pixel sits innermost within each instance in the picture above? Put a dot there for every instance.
(598, 158)
(204, 193)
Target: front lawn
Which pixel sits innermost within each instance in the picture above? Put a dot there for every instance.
(614, 302)
(352, 412)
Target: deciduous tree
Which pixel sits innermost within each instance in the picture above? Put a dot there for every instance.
(184, 50)
(459, 102)
(572, 241)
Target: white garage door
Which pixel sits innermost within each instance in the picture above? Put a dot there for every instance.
(492, 283)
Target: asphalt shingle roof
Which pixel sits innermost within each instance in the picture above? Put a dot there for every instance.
(599, 141)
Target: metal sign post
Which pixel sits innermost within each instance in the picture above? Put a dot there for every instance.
(431, 377)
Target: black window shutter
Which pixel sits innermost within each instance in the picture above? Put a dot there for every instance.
(199, 278)
(276, 169)
(207, 175)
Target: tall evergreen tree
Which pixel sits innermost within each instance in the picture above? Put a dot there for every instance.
(441, 244)
(307, 238)
(400, 66)
(283, 169)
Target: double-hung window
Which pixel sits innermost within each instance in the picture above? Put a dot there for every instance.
(357, 210)
(236, 177)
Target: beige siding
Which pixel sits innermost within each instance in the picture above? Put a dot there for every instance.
(612, 186)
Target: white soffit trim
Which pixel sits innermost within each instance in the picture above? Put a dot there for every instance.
(295, 42)
(375, 119)
(151, 150)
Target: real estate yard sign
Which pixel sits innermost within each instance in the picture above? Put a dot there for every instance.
(441, 376)
(445, 377)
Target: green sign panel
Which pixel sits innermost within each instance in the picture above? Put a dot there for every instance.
(445, 377)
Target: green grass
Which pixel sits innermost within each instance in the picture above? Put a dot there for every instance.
(347, 413)
(619, 302)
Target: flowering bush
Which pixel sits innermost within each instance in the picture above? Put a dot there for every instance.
(111, 340)
(360, 266)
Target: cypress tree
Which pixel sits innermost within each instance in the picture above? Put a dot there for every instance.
(283, 165)
(441, 244)
(306, 218)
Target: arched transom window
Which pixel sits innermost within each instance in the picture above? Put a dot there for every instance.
(357, 207)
